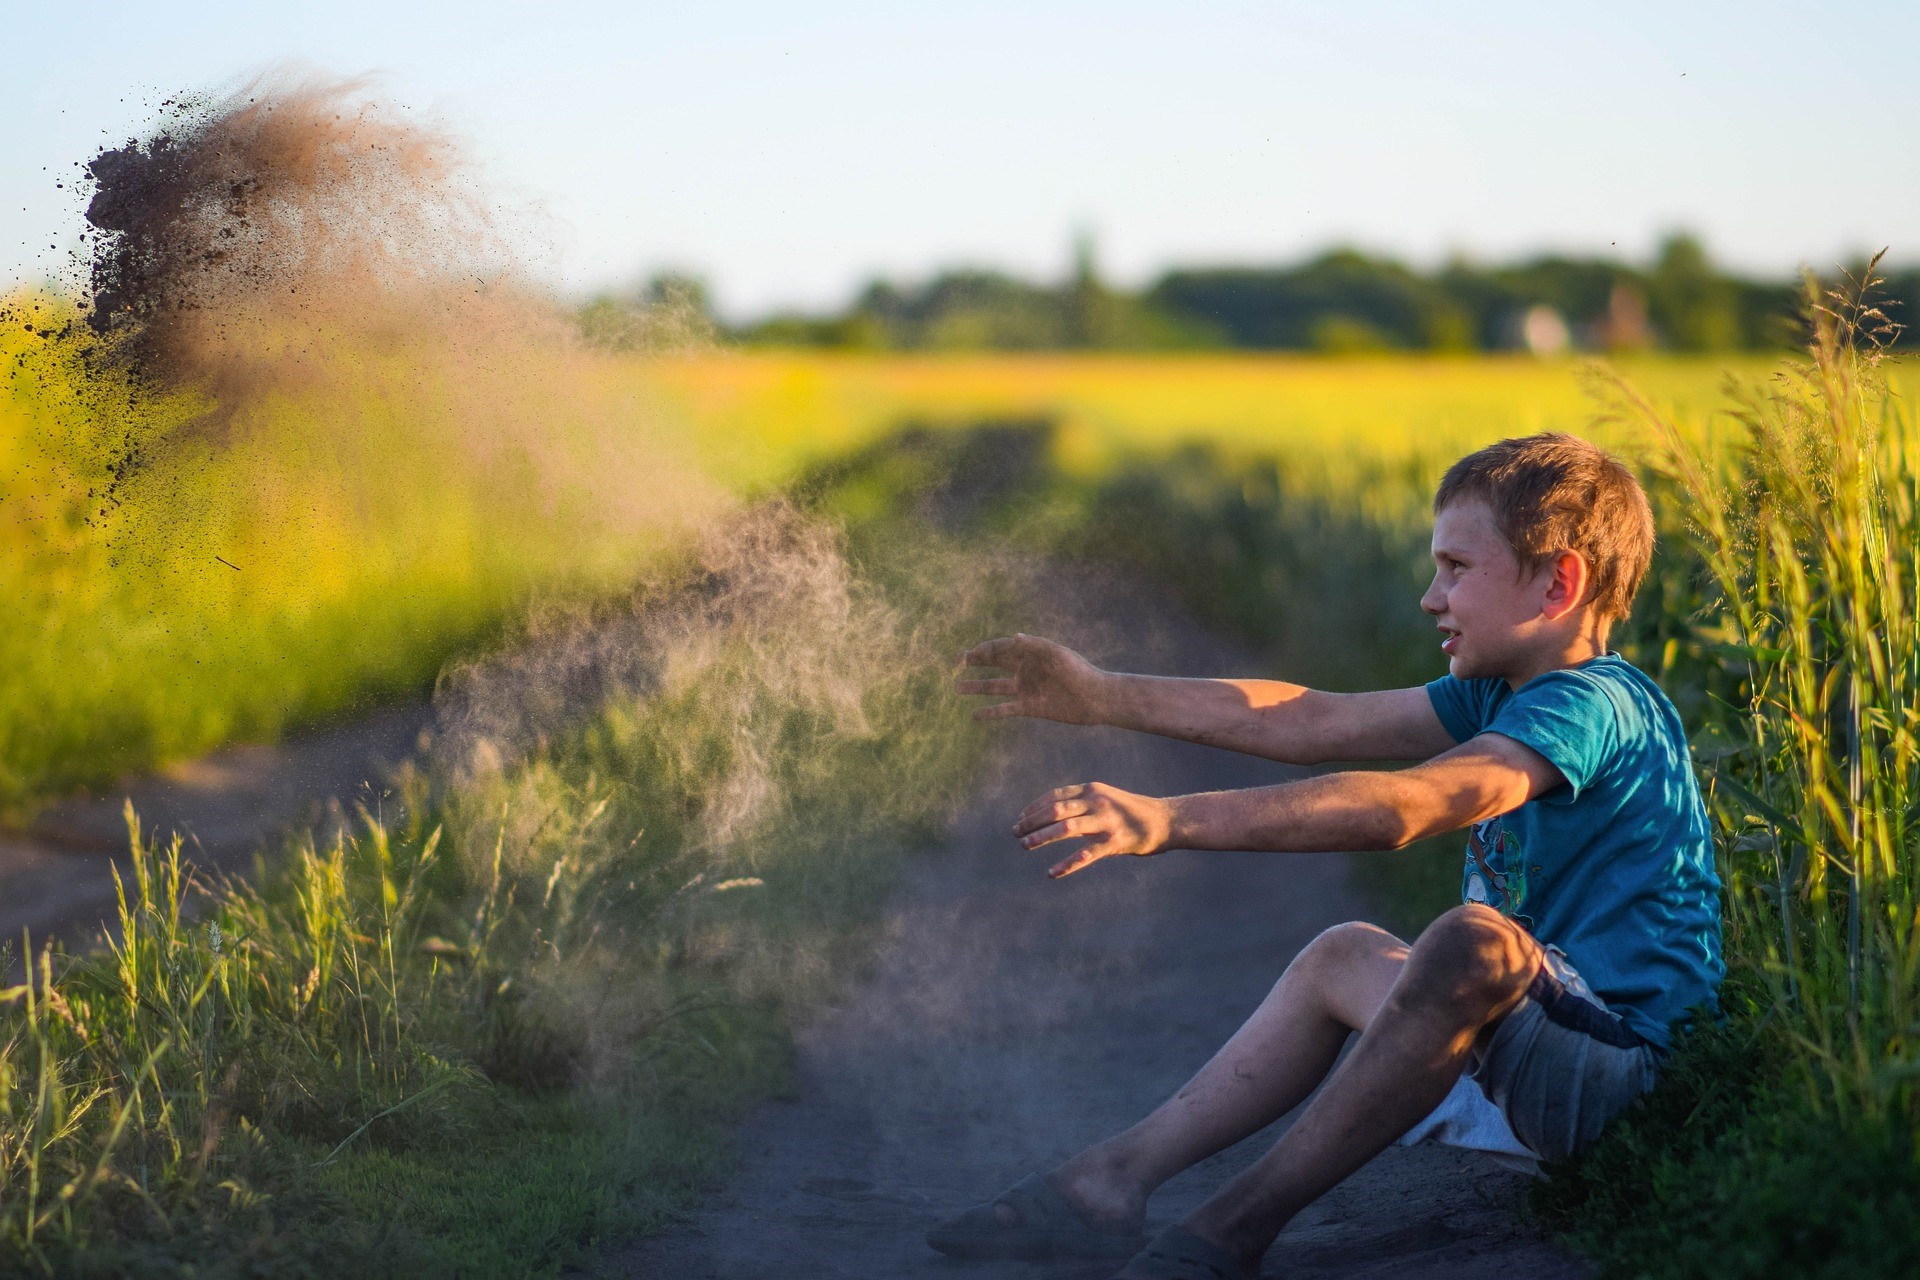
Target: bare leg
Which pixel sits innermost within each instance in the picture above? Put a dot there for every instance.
(1466, 972)
(1278, 1057)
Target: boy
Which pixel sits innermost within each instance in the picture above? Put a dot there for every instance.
(1591, 915)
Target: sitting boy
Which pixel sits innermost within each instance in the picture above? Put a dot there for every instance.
(1591, 916)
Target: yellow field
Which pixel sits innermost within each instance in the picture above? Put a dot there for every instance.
(373, 505)
(393, 500)
(755, 415)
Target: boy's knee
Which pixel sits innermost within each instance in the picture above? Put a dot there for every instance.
(1472, 954)
(1343, 943)
(1337, 949)
(1346, 971)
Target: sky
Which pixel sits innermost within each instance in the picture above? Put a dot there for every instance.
(788, 153)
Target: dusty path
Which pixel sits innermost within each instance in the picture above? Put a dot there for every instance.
(56, 877)
(1010, 1020)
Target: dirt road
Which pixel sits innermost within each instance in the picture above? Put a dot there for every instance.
(1010, 1020)
(56, 877)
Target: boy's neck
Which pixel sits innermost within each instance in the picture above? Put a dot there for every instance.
(1588, 643)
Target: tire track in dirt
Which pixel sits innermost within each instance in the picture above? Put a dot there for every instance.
(1009, 1020)
(56, 877)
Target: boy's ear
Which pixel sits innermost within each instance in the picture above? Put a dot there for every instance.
(1567, 582)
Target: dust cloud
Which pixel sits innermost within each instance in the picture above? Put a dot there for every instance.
(301, 249)
(764, 628)
(299, 259)
(294, 198)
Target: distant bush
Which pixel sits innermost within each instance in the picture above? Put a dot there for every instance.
(1682, 301)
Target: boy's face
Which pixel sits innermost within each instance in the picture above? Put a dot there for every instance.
(1486, 608)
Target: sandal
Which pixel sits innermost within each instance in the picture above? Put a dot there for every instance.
(1046, 1226)
(1178, 1254)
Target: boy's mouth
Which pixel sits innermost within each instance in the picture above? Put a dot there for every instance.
(1453, 638)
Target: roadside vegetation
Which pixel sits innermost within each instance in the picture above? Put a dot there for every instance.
(510, 1013)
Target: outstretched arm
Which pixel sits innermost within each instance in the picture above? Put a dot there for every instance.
(1485, 776)
(1268, 718)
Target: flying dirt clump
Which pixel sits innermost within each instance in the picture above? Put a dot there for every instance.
(303, 261)
(295, 199)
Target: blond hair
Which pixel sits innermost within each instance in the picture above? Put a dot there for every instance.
(1554, 492)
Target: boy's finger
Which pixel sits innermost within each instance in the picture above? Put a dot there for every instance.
(998, 711)
(982, 654)
(1038, 815)
(1066, 829)
(1067, 866)
(1042, 810)
(1005, 688)
(1034, 819)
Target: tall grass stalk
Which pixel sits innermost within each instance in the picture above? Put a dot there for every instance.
(1805, 520)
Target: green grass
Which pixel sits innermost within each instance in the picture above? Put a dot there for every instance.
(1726, 1170)
(544, 1179)
(514, 1018)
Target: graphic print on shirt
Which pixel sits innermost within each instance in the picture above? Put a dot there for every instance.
(1496, 873)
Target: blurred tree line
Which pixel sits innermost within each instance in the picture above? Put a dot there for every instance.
(1340, 301)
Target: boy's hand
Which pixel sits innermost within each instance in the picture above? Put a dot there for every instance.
(1045, 680)
(1112, 822)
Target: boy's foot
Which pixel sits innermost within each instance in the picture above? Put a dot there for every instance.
(1179, 1254)
(1033, 1221)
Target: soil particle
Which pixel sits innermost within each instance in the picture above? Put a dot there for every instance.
(1009, 1021)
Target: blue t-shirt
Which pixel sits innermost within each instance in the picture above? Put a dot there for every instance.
(1616, 867)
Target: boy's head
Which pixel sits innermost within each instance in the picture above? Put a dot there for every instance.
(1538, 545)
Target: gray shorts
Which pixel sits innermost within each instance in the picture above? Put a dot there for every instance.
(1549, 1078)
(1561, 1065)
